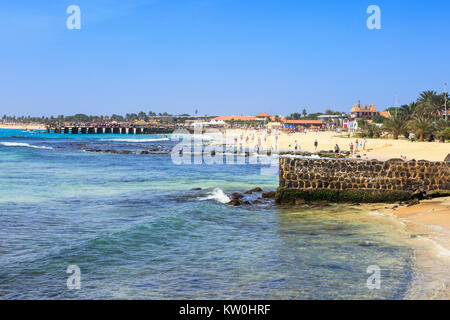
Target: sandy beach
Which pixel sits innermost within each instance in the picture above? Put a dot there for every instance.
(428, 224)
(33, 126)
(381, 149)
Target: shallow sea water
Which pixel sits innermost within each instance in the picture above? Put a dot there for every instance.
(137, 229)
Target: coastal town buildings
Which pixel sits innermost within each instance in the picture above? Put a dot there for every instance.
(332, 120)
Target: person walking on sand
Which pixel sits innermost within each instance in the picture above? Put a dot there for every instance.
(356, 145)
(364, 144)
(296, 146)
(351, 147)
(315, 144)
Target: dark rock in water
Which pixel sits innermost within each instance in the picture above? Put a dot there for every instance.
(196, 189)
(257, 189)
(268, 195)
(256, 202)
(93, 150)
(236, 196)
(367, 244)
(447, 158)
(246, 203)
(125, 152)
(145, 152)
(235, 203)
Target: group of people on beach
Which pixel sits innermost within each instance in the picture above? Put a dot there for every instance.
(354, 148)
(258, 140)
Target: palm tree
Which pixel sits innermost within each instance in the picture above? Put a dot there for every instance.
(421, 125)
(407, 110)
(304, 113)
(395, 125)
(443, 130)
(429, 104)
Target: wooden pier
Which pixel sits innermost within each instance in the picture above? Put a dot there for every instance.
(110, 130)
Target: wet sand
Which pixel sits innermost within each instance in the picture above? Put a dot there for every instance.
(428, 223)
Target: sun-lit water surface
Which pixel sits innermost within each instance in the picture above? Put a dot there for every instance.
(138, 230)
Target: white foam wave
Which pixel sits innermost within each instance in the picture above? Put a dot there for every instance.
(441, 251)
(376, 213)
(25, 145)
(218, 195)
(137, 140)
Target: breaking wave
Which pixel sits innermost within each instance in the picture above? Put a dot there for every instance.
(218, 195)
(25, 145)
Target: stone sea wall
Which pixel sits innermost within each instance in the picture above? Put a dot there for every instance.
(360, 180)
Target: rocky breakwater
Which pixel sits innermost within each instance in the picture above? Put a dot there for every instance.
(348, 180)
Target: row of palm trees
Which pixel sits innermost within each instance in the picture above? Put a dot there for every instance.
(424, 118)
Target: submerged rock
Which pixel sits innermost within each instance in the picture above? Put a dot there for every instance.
(235, 203)
(236, 196)
(257, 189)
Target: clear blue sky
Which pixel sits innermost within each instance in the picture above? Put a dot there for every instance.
(220, 56)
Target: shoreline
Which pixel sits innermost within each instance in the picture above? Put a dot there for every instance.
(23, 127)
(428, 225)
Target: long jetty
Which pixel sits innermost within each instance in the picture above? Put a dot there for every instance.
(110, 130)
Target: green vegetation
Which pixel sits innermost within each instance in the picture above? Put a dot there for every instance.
(288, 196)
(424, 118)
(396, 126)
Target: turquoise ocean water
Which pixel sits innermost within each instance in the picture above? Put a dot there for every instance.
(138, 229)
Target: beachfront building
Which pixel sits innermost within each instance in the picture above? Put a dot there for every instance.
(332, 120)
(262, 119)
(360, 111)
(304, 124)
